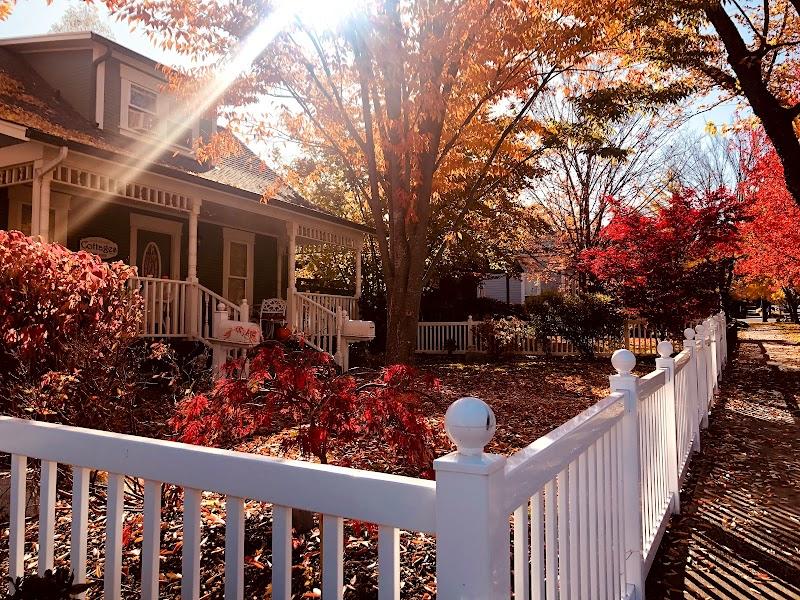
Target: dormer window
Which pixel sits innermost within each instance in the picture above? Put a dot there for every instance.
(145, 110)
(142, 109)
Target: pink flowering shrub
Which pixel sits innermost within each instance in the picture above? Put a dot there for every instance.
(67, 324)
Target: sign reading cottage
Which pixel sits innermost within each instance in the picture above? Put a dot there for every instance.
(102, 247)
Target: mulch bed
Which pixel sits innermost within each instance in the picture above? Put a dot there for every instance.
(529, 396)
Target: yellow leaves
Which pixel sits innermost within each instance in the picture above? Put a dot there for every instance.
(6, 8)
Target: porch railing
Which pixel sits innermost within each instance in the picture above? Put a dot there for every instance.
(333, 302)
(175, 309)
(589, 500)
(317, 322)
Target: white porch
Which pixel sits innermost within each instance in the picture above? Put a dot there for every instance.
(208, 247)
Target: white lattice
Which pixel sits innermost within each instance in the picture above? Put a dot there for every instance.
(119, 187)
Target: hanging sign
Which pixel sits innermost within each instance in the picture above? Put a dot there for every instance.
(102, 247)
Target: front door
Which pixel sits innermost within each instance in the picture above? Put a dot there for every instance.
(155, 246)
(154, 254)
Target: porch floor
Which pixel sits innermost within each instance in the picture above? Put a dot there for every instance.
(739, 532)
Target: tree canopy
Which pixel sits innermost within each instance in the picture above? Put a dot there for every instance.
(426, 104)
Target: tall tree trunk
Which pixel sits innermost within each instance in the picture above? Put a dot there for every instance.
(403, 303)
(777, 119)
(792, 303)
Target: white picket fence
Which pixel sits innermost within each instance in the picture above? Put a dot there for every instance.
(461, 337)
(590, 500)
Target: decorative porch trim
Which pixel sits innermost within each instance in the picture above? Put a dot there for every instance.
(319, 234)
(89, 180)
(172, 228)
(16, 174)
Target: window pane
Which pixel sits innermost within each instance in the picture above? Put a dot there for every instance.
(141, 121)
(238, 266)
(142, 98)
(236, 289)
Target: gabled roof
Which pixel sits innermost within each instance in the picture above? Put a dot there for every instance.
(26, 99)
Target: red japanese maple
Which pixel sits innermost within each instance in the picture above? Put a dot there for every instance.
(669, 265)
(298, 389)
(771, 233)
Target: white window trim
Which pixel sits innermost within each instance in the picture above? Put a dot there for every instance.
(242, 237)
(129, 75)
(167, 226)
(59, 203)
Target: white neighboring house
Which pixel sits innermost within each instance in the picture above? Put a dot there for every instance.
(534, 279)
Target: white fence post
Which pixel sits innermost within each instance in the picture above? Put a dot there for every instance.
(692, 395)
(666, 362)
(625, 382)
(470, 335)
(702, 375)
(472, 529)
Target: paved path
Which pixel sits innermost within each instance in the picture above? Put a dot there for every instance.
(739, 532)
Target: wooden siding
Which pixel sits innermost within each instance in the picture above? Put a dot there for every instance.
(71, 73)
(209, 256)
(113, 89)
(265, 278)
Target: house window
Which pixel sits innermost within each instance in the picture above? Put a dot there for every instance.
(142, 109)
(238, 265)
(145, 109)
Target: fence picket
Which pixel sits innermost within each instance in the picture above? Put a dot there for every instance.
(80, 521)
(112, 577)
(16, 515)
(190, 564)
(47, 514)
(281, 552)
(234, 548)
(388, 563)
(538, 591)
(521, 553)
(151, 540)
(332, 557)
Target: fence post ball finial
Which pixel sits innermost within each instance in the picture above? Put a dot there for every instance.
(701, 330)
(664, 349)
(688, 333)
(623, 361)
(470, 423)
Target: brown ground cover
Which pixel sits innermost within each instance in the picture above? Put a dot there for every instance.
(530, 396)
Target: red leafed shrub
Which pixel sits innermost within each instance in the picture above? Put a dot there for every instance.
(67, 324)
(298, 389)
(670, 265)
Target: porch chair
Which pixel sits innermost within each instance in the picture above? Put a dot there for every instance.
(273, 311)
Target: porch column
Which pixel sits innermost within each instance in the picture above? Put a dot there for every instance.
(36, 200)
(291, 252)
(358, 270)
(40, 195)
(44, 208)
(192, 262)
(192, 299)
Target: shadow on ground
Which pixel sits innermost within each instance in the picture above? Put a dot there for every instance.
(739, 532)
